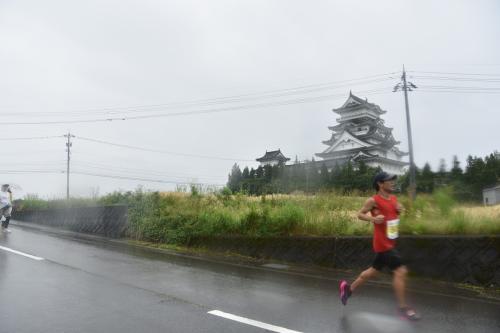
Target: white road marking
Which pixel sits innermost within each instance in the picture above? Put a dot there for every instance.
(252, 322)
(20, 253)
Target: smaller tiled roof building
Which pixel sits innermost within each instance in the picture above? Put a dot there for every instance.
(272, 158)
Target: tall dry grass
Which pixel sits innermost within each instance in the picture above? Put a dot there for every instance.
(176, 217)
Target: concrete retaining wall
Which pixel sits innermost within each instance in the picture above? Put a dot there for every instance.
(464, 259)
(110, 221)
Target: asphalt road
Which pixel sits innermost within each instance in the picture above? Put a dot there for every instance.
(60, 283)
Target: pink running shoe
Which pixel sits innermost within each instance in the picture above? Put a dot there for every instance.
(408, 313)
(345, 291)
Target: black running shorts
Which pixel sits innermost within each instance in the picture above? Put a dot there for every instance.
(390, 259)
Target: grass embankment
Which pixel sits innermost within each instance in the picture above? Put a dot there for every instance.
(177, 217)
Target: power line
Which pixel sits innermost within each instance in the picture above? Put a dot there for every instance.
(37, 163)
(32, 138)
(160, 151)
(145, 179)
(461, 88)
(261, 105)
(13, 172)
(137, 171)
(29, 152)
(456, 73)
(459, 91)
(227, 100)
(230, 99)
(30, 171)
(128, 161)
(459, 79)
(205, 111)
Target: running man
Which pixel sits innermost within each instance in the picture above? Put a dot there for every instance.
(5, 206)
(384, 212)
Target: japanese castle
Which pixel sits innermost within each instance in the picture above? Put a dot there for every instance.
(361, 135)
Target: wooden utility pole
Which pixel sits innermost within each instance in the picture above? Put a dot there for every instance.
(68, 150)
(406, 86)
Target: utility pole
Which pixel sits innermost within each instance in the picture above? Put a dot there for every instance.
(405, 87)
(68, 150)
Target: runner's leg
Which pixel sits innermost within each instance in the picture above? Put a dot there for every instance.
(363, 277)
(399, 283)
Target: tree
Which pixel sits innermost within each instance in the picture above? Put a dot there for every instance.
(347, 178)
(246, 173)
(235, 178)
(441, 177)
(475, 177)
(468, 185)
(425, 183)
(456, 171)
(268, 173)
(336, 177)
(297, 177)
(324, 176)
(492, 169)
(363, 177)
(312, 176)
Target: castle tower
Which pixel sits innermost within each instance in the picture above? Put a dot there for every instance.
(361, 135)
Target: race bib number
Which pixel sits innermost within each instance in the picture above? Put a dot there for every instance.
(393, 229)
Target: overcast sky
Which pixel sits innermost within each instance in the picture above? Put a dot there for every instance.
(63, 61)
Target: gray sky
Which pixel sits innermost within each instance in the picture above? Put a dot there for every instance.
(92, 60)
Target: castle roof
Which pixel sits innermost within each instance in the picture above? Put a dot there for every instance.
(274, 155)
(354, 103)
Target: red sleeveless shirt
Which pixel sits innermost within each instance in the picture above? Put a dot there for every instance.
(386, 207)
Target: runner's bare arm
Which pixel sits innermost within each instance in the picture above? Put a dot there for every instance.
(367, 207)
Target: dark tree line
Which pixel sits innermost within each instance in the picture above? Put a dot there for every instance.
(307, 177)
(312, 177)
(467, 184)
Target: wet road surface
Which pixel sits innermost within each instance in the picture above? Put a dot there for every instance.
(55, 283)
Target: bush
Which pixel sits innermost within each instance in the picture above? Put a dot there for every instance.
(340, 222)
(218, 222)
(444, 201)
(458, 223)
(178, 217)
(285, 219)
(251, 222)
